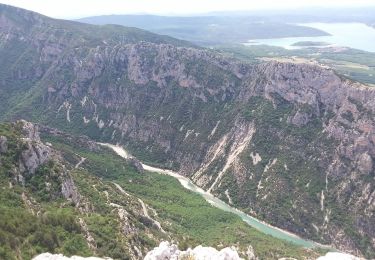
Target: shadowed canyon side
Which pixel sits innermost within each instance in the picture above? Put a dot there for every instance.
(292, 144)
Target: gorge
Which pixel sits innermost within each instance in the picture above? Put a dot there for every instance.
(292, 144)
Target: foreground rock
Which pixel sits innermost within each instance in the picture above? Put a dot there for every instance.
(338, 256)
(49, 256)
(170, 251)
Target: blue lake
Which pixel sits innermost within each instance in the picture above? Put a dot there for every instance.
(353, 35)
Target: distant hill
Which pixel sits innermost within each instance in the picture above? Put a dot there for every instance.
(301, 15)
(209, 30)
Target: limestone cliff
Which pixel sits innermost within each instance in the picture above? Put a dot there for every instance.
(31, 154)
(49, 201)
(204, 115)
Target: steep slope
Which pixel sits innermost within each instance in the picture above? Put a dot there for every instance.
(74, 197)
(50, 203)
(32, 43)
(292, 144)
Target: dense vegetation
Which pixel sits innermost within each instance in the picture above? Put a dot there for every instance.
(23, 234)
(36, 218)
(186, 215)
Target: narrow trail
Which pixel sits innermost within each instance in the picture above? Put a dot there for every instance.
(145, 213)
(121, 189)
(144, 208)
(83, 159)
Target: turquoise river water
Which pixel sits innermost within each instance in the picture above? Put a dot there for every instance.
(258, 224)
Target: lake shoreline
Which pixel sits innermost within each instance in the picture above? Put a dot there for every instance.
(350, 35)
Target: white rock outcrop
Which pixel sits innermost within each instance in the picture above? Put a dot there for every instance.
(168, 251)
(3, 144)
(338, 256)
(49, 256)
(171, 252)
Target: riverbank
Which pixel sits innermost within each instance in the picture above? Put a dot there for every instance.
(252, 221)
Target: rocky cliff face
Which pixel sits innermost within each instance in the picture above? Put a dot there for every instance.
(58, 203)
(31, 154)
(36, 153)
(3, 144)
(292, 144)
(206, 115)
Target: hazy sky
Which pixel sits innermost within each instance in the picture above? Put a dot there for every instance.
(81, 8)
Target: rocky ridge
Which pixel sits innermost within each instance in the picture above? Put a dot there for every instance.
(40, 181)
(34, 154)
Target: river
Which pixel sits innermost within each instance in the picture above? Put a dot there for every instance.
(188, 184)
